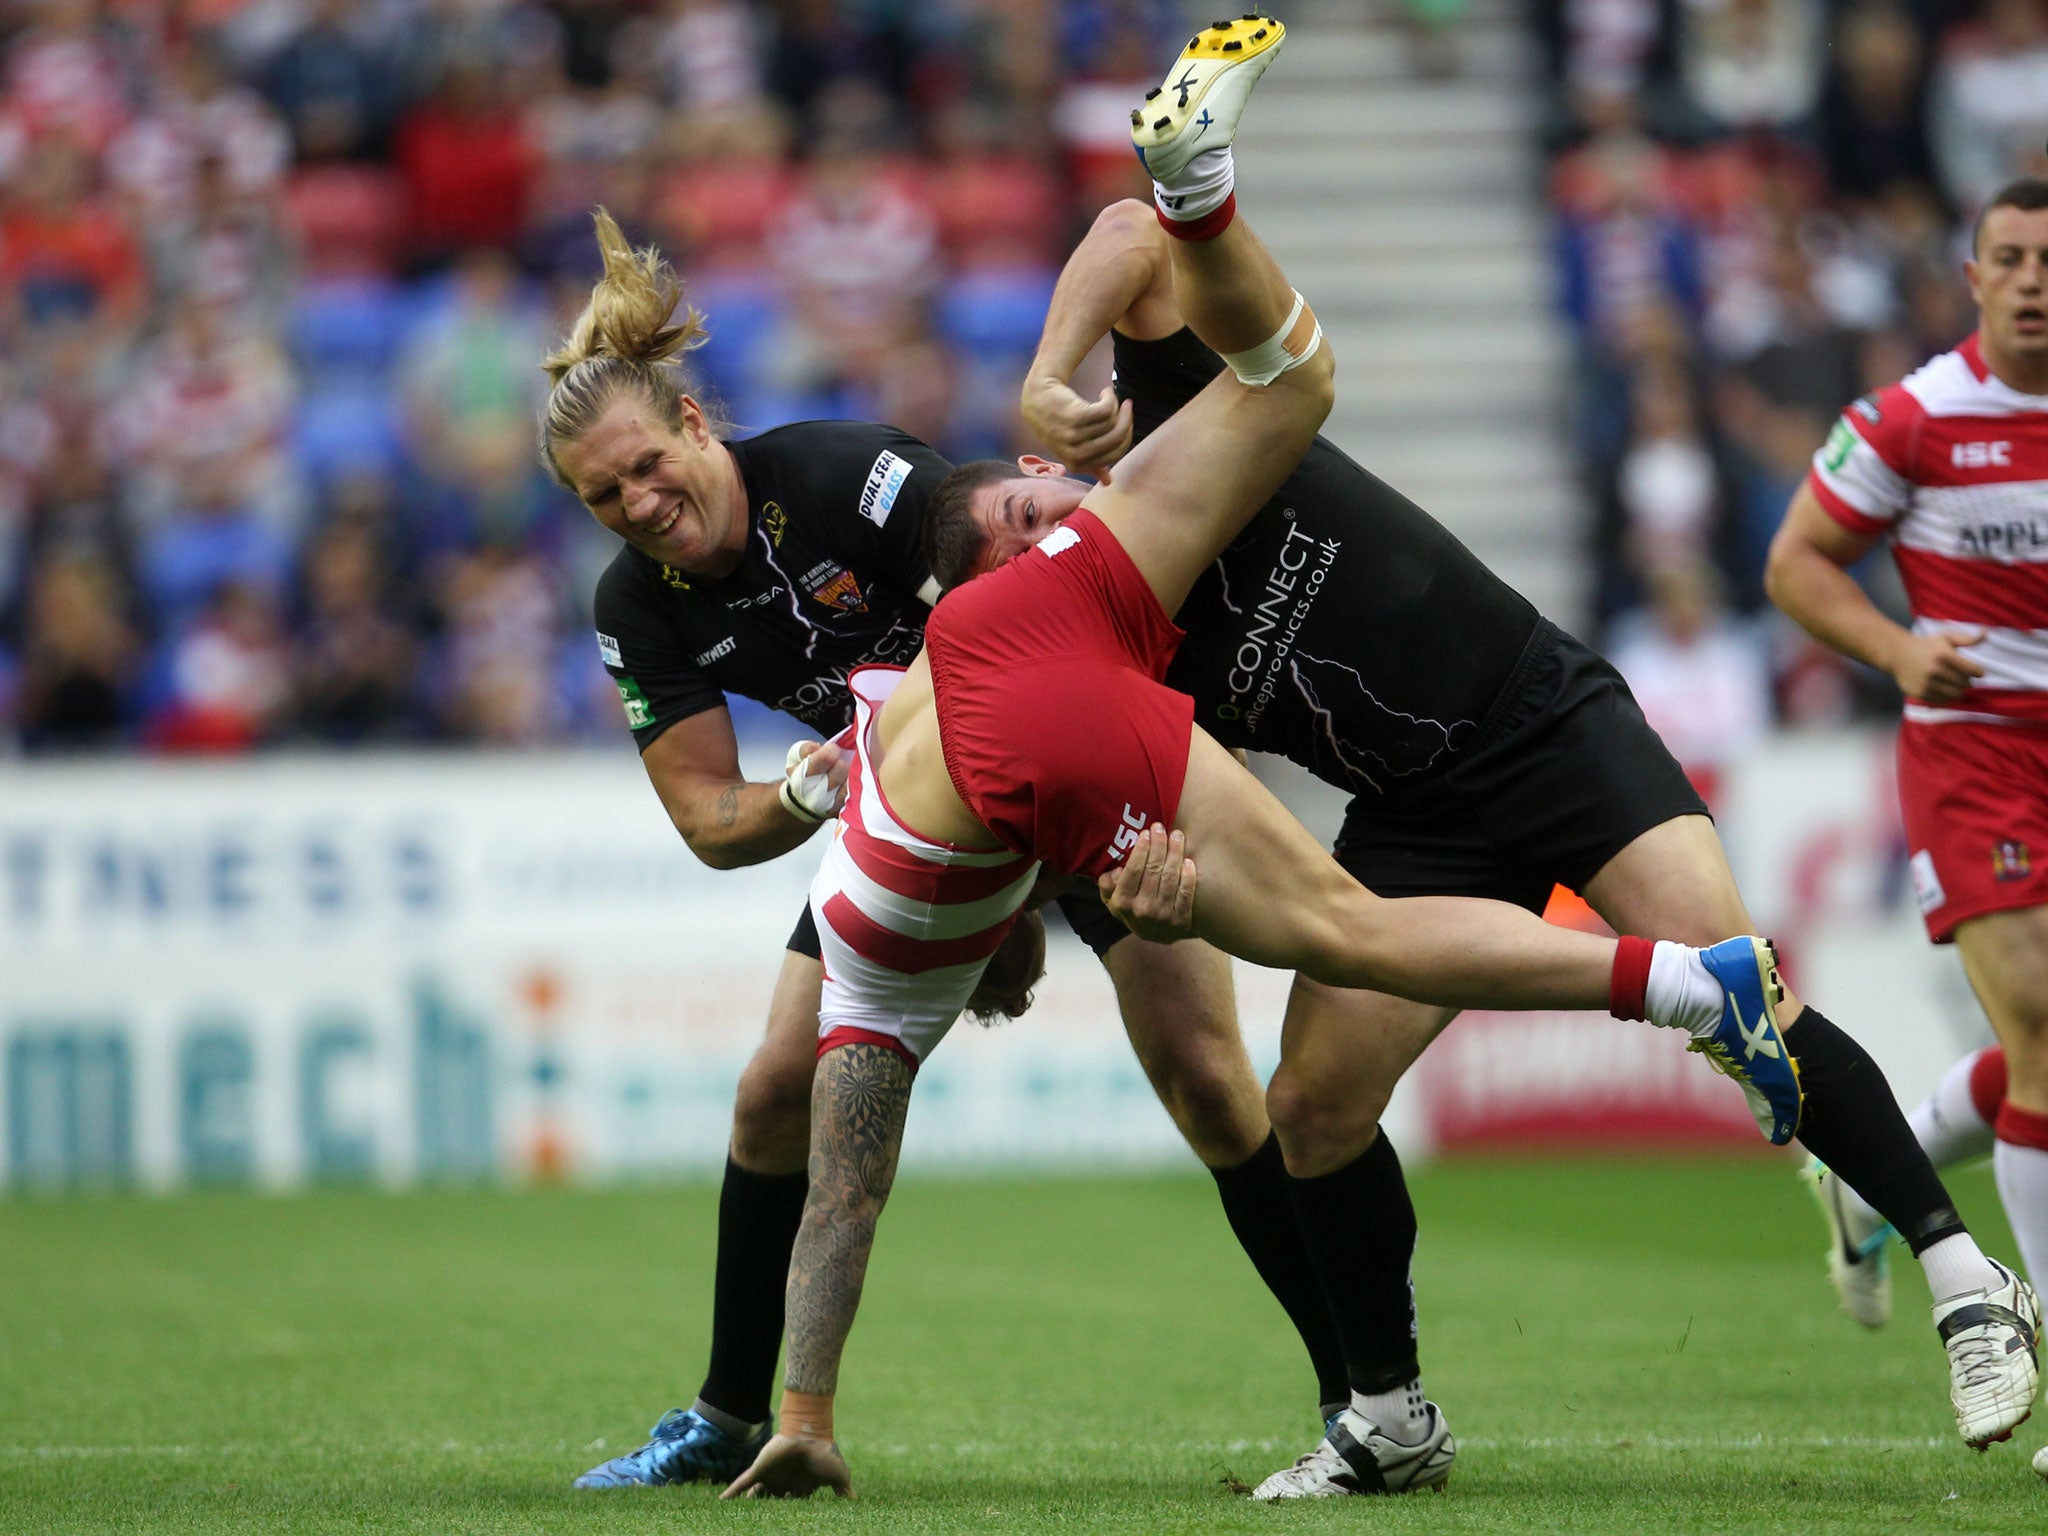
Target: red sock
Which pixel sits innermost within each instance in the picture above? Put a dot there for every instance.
(1631, 978)
(2021, 1127)
(1207, 227)
(1987, 1083)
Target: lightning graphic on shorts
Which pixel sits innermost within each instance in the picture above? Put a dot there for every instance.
(1434, 737)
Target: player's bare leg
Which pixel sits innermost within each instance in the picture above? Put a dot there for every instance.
(1674, 880)
(2006, 957)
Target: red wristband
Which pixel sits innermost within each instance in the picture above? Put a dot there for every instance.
(1630, 979)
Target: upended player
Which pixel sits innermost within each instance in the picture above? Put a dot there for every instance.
(770, 567)
(1488, 753)
(1034, 727)
(1950, 466)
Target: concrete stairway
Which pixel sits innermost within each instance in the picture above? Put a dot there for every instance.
(1410, 212)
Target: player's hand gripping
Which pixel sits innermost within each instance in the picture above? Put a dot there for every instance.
(1153, 893)
(792, 1467)
(1932, 667)
(814, 780)
(1086, 435)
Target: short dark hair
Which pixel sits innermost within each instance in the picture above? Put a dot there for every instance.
(2029, 194)
(953, 540)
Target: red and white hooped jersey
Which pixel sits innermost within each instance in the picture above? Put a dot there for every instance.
(1952, 465)
(905, 925)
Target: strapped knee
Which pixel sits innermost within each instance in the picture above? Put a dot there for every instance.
(1289, 347)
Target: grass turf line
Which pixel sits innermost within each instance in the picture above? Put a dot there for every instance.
(1620, 1347)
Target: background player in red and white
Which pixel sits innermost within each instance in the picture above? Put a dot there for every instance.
(1951, 467)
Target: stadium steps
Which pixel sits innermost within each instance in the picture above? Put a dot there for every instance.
(1411, 212)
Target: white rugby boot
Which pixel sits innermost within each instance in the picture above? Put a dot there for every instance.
(1992, 1337)
(1204, 95)
(1859, 1240)
(1354, 1457)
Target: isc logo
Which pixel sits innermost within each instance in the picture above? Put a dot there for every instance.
(1980, 455)
(1127, 834)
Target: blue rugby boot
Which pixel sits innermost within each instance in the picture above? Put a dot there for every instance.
(1746, 1043)
(685, 1447)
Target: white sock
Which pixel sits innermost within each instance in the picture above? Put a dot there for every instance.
(1199, 188)
(1681, 992)
(1955, 1265)
(1946, 1123)
(2023, 1186)
(1401, 1415)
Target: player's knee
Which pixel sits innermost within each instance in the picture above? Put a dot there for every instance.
(771, 1114)
(1215, 1103)
(1321, 1128)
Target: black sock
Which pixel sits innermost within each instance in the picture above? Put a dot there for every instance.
(1256, 1200)
(758, 1214)
(1359, 1226)
(1853, 1124)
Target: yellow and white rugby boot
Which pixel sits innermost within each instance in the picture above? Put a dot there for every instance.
(1204, 95)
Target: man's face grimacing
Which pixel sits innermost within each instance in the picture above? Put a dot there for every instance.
(1015, 514)
(2009, 281)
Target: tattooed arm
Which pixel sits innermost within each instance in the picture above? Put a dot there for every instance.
(858, 1103)
(727, 819)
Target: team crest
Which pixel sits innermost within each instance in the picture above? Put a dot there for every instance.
(843, 593)
(2011, 860)
(675, 578)
(776, 521)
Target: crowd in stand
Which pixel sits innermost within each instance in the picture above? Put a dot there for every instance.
(1762, 209)
(275, 276)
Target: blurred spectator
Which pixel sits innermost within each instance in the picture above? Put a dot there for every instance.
(1751, 63)
(65, 77)
(467, 164)
(338, 82)
(709, 52)
(1873, 124)
(65, 250)
(856, 249)
(1703, 681)
(472, 392)
(1991, 99)
(354, 660)
(79, 656)
(212, 406)
(1668, 486)
(494, 676)
(229, 675)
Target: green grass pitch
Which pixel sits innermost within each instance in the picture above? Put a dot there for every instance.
(1629, 1347)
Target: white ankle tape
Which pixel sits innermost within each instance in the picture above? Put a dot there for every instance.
(1270, 358)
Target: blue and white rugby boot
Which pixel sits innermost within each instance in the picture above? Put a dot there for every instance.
(1204, 95)
(1859, 1260)
(685, 1447)
(1746, 1043)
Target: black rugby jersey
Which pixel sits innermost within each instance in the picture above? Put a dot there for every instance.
(829, 581)
(1346, 628)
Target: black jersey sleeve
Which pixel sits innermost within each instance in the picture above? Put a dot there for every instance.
(1159, 377)
(649, 661)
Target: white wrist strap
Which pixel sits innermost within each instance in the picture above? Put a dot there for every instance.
(1270, 358)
